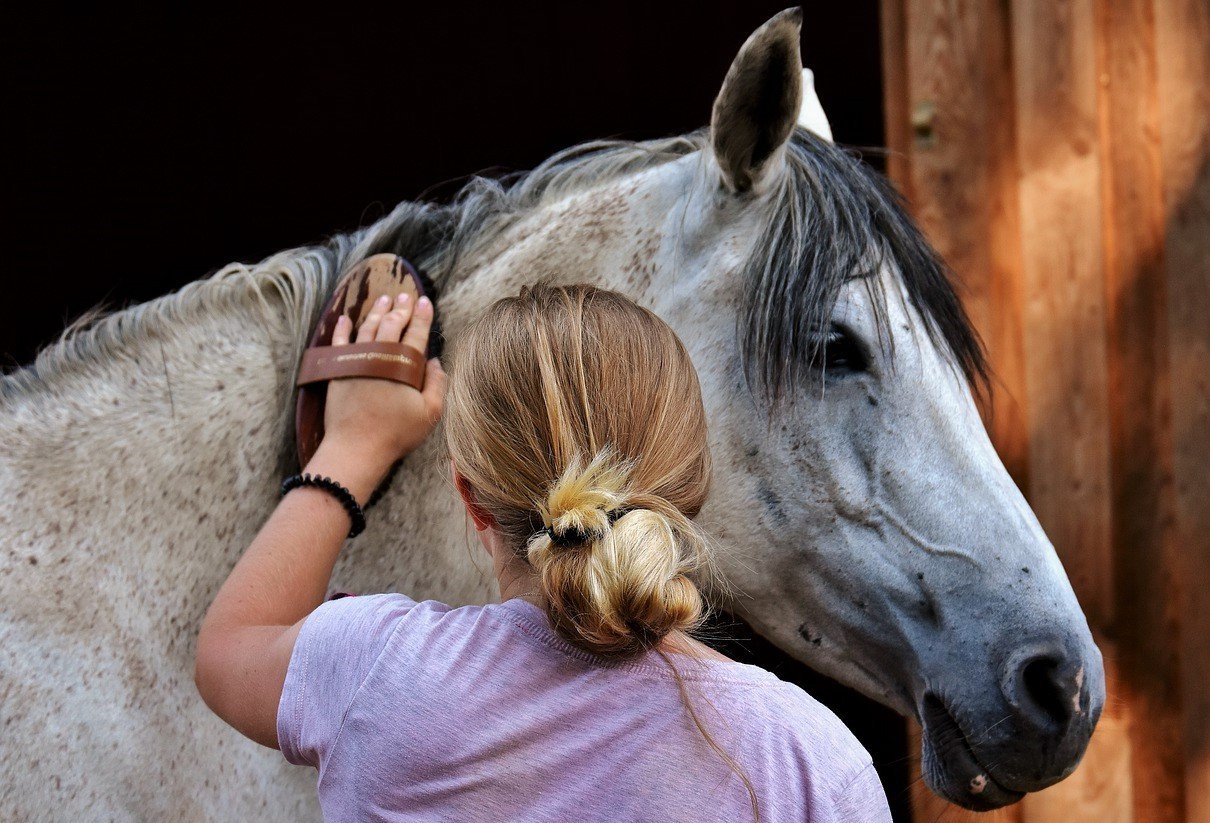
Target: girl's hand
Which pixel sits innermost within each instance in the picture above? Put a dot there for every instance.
(247, 639)
(378, 421)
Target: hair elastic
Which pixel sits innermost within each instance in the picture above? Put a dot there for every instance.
(576, 537)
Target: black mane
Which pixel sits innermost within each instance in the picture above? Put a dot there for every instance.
(832, 219)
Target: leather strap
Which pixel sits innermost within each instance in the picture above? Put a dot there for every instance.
(389, 361)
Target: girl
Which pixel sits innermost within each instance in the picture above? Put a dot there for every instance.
(577, 441)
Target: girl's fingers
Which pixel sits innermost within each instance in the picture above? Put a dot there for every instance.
(340, 334)
(369, 326)
(417, 334)
(394, 321)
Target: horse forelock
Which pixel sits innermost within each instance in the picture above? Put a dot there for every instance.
(833, 219)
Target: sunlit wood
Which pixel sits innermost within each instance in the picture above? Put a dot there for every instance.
(1064, 171)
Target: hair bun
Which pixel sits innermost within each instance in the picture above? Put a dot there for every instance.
(561, 371)
(618, 590)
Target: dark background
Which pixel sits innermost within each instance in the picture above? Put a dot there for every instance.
(148, 148)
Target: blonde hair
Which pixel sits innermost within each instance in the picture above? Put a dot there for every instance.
(576, 416)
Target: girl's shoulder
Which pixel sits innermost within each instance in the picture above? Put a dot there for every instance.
(791, 722)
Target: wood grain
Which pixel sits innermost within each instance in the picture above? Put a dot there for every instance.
(1147, 626)
(964, 182)
(1065, 354)
(1066, 178)
(892, 21)
(1182, 46)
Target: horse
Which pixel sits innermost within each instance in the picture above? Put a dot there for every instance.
(868, 527)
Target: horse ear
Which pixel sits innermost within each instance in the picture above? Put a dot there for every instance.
(759, 102)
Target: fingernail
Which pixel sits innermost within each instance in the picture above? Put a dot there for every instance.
(383, 300)
(342, 320)
(424, 301)
(402, 298)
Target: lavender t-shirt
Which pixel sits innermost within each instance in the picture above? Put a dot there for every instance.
(420, 712)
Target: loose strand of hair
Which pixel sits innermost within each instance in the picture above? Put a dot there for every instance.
(731, 762)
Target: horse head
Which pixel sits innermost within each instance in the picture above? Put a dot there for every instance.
(886, 544)
(869, 527)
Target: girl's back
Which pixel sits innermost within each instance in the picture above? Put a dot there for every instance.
(422, 712)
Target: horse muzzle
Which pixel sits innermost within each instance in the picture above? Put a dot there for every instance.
(1026, 728)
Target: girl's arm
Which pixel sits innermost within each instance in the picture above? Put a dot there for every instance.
(248, 634)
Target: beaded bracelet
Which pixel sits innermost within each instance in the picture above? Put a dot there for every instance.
(346, 498)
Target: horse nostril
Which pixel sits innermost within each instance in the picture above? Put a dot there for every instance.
(1047, 686)
(1047, 690)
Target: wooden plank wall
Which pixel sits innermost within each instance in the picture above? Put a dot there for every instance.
(1058, 154)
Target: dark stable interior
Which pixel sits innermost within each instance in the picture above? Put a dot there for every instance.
(148, 148)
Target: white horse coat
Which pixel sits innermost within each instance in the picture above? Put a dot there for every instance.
(870, 529)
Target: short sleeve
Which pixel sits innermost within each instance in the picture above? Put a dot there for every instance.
(336, 648)
(863, 799)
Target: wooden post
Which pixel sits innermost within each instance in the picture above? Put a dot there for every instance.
(1182, 47)
(1065, 357)
(949, 102)
(1139, 404)
(1057, 152)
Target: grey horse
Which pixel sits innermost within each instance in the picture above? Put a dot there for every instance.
(869, 528)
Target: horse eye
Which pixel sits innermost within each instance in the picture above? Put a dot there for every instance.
(840, 353)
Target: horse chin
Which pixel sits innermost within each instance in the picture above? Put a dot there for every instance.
(950, 766)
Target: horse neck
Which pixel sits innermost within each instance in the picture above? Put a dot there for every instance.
(150, 446)
(611, 235)
(152, 442)
(158, 428)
